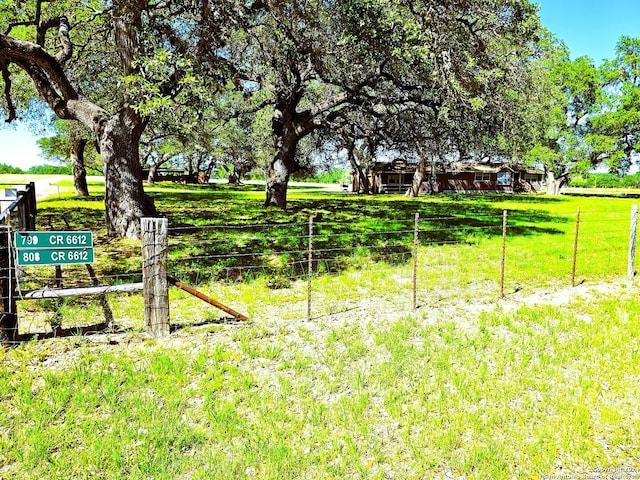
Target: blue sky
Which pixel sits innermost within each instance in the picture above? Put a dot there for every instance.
(18, 147)
(587, 27)
(591, 27)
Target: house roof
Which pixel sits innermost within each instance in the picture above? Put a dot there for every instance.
(402, 166)
(459, 167)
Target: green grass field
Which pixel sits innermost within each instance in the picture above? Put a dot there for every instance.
(542, 383)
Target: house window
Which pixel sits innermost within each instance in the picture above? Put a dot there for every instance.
(504, 178)
(482, 177)
(531, 177)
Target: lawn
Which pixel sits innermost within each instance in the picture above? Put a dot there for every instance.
(543, 382)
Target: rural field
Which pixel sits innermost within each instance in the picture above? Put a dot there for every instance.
(336, 374)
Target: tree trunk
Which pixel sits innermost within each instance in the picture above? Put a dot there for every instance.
(77, 167)
(285, 140)
(125, 200)
(232, 175)
(207, 173)
(277, 183)
(234, 179)
(554, 185)
(151, 177)
(418, 178)
(364, 186)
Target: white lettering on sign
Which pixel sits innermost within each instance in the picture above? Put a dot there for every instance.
(67, 240)
(75, 255)
(31, 240)
(29, 256)
(57, 256)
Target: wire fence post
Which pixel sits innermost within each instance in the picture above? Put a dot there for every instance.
(309, 267)
(631, 272)
(503, 260)
(154, 275)
(575, 250)
(415, 260)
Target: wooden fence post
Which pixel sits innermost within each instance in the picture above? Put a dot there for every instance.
(575, 250)
(9, 314)
(154, 275)
(416, 227)
(310, 267)
(631, 272)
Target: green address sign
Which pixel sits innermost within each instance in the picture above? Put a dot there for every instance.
(53, 239)
(53, 256)
(54, 248)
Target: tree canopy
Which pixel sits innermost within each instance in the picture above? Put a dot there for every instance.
(242, 84)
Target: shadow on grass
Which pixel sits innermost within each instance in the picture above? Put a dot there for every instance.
(603, 194)
(208, 323)
(100, 328)
(224, 233)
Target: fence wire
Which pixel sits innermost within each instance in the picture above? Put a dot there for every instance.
(457, 256)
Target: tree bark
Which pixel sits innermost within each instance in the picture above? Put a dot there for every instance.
(286, 135)
(77, 167)
(554, 185)
(151, 177)
(125, 200)
(277, 183)
(418, 178)
(364, 186)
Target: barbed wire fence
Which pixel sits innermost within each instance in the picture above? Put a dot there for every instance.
(433, 255)
(323, 267)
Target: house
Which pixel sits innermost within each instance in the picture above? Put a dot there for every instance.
(386, 177)
(460, 177)
(485, 178)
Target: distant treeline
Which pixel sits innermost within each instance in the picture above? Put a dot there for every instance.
(36, 170)
(606, 180)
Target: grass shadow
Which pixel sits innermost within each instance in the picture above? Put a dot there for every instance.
(223, 233)
(100, 328)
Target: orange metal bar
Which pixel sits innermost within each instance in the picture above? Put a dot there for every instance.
(206, 298)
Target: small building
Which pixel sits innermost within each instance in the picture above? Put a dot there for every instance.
(460, 177)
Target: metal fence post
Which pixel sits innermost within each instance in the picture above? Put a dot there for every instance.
(575, 250)
(631, 272)
(503, 261)
(310, 267)
(415, 260)
(9, 314)
(154, 275)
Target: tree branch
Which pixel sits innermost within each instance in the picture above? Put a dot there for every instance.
(6, 76)
(45, 71)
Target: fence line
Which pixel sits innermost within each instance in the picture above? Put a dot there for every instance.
(312, 249)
